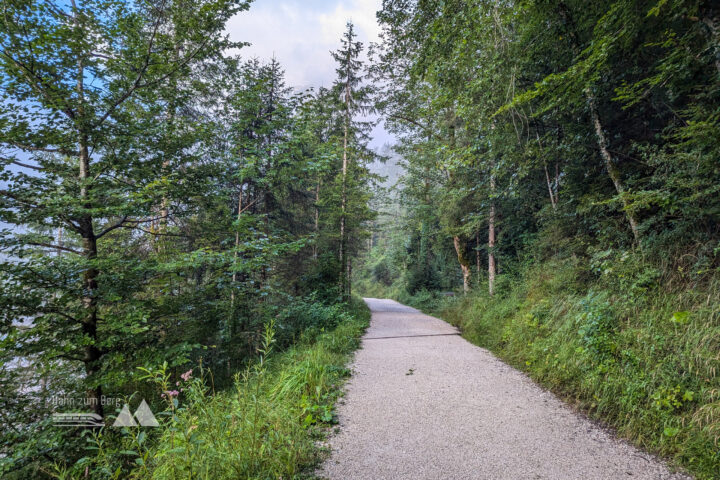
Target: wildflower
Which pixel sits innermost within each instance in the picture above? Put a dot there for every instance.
(186, 376)
(170, 394)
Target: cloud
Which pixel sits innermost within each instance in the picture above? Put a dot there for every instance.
(301, 34)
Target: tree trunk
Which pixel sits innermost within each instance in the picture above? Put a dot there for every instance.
(59, 241)
(349, 276)
(553, 200)
(491, 239)
(477, 256)
(317, 220)
(237, 246)
(599, 133)
(91, 353)
(611, 168)
(463, 261)
(343, 253)
(710, 19)
(344, 280)
(425, 252)
(553, 194)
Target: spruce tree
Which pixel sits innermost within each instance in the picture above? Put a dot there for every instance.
(353, 99)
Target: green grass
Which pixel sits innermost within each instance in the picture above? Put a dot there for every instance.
(641, 358)
(269, 426)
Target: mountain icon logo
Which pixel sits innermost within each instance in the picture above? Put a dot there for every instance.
(143, 417)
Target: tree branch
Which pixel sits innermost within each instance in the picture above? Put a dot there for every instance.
(54, 247)
(413, 122)
(38, 84)
(24, 165)
(136, 84)
(112, 227)
(158, 234)
(75, 226)
(19, 199)
(31, 148)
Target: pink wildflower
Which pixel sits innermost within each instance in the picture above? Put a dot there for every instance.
(186, 376)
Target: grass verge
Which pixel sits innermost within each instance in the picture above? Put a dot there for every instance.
(268, 426)
(625, 350)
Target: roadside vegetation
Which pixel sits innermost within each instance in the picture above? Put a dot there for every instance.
(644, 362)
(167, 204)
(270, 424)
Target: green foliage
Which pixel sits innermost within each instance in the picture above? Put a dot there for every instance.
(596, 328)
(266, 426)
(582, 136)
(307, 318)
(584, 128)
(166, 201)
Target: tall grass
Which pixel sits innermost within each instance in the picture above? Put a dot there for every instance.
(616, 343)
(268, 426)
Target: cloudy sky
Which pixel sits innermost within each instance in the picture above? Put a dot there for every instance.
(301, 34)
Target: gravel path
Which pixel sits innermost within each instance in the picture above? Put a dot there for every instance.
(423, 403)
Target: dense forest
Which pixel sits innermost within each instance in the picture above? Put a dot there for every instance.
(180, 225)
(168, 205)
(550, 128)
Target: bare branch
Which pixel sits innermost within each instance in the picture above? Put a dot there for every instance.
(75, 226)
(31, 148)
(24, 165)
(62, 314)
(412, 122)
(115, 226)
(55, 247)
(158, 234)
(249, 205)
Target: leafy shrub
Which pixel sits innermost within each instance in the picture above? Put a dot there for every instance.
(596, 328)
(307, 317)
(424, 300)
(381, 273)
(625, 273)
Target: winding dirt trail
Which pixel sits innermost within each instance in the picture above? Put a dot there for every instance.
(423, 403)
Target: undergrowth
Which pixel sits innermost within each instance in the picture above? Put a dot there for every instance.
(268, 426)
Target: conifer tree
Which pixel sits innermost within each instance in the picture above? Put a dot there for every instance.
(353, 99)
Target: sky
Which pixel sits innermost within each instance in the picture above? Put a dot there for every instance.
(301, 33)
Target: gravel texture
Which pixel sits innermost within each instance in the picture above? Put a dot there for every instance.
(423, 403)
